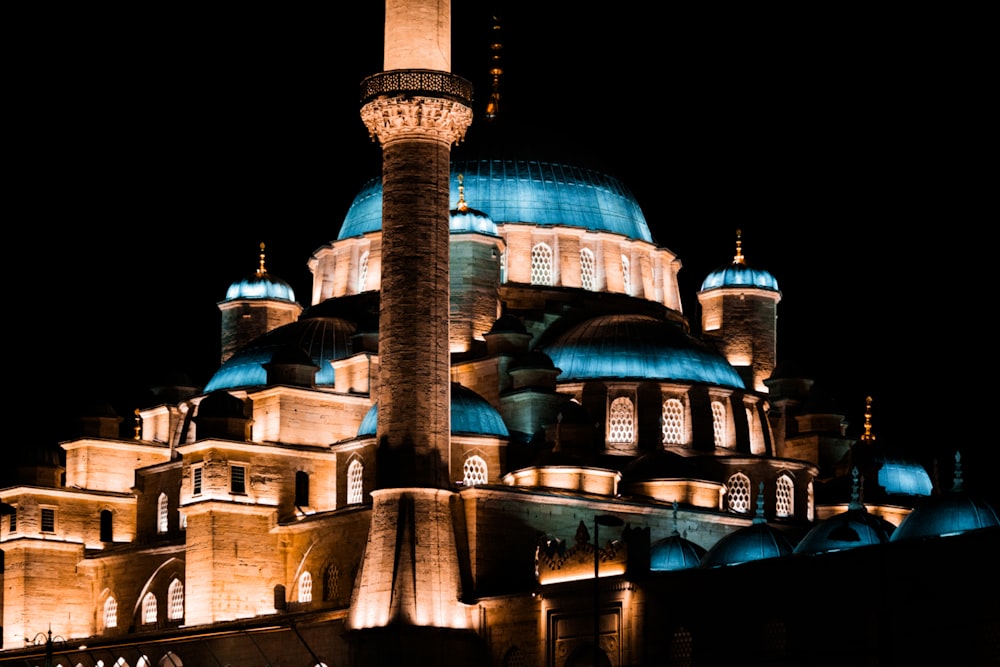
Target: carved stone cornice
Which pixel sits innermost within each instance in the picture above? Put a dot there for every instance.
(406, 104)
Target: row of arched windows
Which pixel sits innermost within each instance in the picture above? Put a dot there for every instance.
(543, 268)
(738, 497)
(150, 606)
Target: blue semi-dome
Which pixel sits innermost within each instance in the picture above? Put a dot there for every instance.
(471, 414)
(324, 339)
(629, 346)
(523, 191)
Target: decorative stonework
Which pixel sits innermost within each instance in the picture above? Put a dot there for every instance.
(410, 117)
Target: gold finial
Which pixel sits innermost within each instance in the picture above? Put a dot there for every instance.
(738, 259)
(138, 425)
(867, 435)
(462, 206)
(261, 271)
(493, 105)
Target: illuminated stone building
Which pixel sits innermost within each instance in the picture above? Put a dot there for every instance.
(492, 398)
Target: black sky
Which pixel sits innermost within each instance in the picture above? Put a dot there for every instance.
(155, 151)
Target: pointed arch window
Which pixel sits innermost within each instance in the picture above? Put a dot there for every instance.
(362, 271)
(784, 501)
(162, 513)
(149, 609)
(111, 612)
(175, 600)
(621, 421)
(475, 471)
(331, 587)
(673, 422)
(305, 587)
(302, 488)
(719, 423)
(588, 269)
(541, 265)
(355, 482)
(738, 493)
(810, 502)
(626, 275)
(107, 526)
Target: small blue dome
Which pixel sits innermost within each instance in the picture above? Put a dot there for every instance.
(754, 542)
(523, 191)
(633, 346)
(854, 528)
(259, 286)
(324, 339)
(465, 219)
(902, 477)
(739, 274)
(675, 553)
(948, 513)
(471, 414)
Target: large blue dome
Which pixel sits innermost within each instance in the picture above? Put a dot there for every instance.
(524, 191)
(630, 346)
(471, 414)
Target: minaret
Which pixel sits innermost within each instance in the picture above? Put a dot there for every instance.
(406, 606)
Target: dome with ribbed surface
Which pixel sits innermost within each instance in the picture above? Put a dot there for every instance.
(630, 346)
(471, 414)
(524, 191)
(323, 339)
(259, 286)
(675, 553)
(739, 274)
(849, 529)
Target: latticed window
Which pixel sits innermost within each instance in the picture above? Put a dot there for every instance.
(332, 584)
(48, 520)
(541, 265)
(673, 422)
(305, 587)
(196, 480)
(111, 612)
(719, 423)
(588, 267)
(12, 521)
(363, 271)
(175, 600)
(621, 420)
(149, 609)
(784, 496)
(515, 657)
(475, 471)
(355, 482)
(738, 493)
(681, 646)
(503, 266)
(162, 513)
(626, 275)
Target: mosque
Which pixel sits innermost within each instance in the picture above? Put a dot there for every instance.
(490, 438)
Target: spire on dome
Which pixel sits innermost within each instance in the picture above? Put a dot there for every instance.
(493, 105)
(956, 485)
(759, 516)
(867, 435)
(462, 205)
(261, 271)
(738, 258)
(855, 503)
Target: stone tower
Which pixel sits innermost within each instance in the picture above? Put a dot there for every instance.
(407, 603)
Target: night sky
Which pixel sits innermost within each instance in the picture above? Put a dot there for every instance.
(155, 152)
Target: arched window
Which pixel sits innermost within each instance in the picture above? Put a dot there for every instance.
(107, 526)
(541, 265)
(305, 587)
(363, 271)
(149, 609)
(355, 482)
(162, 513)
(331, 586)
(810, 504)
(503, 266)
(588, 269)
(175, 600)
(621, 421)
(171, 659)
(784, 502)
(475, 471)
(673, 422)
(719, 423)
(738, 493)
(680, 647)
(111, 612)
(302, 488)
(626, 275)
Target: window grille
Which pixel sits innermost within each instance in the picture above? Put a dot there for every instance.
(175, 600)
(784, 496)
(588, 267)
(621, 421)
(149, 609)
(626, 275)
(196, 481)
(719, 423)
(475, 471)
(111, 613)
(738, 493)
(237, 479)
(48, 520)
(305, 587)
(673, 422)
(355, 482)
(541, 265)
(162, 514)
(12, 521)
(363, 271)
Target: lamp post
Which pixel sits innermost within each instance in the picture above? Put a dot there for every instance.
(599, 520)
